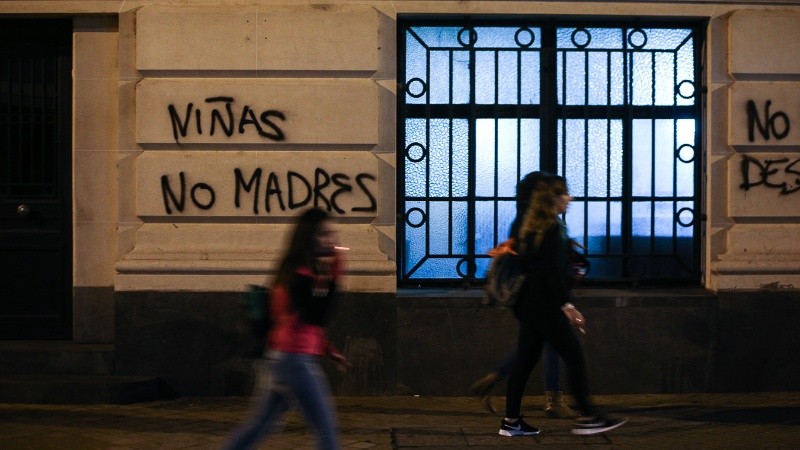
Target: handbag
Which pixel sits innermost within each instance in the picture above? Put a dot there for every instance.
(507, 275)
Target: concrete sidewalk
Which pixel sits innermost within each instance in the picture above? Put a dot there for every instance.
(679, 421)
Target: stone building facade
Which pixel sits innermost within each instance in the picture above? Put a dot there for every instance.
(199, 129)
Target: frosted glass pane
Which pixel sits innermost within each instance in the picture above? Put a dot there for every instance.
(484, 226)
(460, 157)
(416, 172)
(507, 78)
(461, 77)
(459, 220)
(665, 79)
(440, 78)
(437, 268)
(685, 62)
(416, 66)
(598, 226)
(685, 170)
(507, 166)
(615, 158)
(506, 212)
(530, 78)
(664, 39)
(685, 217)
(642, 158)
(576, 78)
(439, 36)
(615, 227)
(617, 79)
(598, 78)
(664, 157)
(415, 238)
(504, 37)
(529, 145)
(484, 157)
(439, 227)
(642, 79)
(664, 219)
(439, 181)
(641, 221)
(599, 38)
(598, 158)
(574, 218)
(484, 77)
(560, 78)
(573, 156)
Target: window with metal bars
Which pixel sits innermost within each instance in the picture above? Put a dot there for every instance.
(614, 107)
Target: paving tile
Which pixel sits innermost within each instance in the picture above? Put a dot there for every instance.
(656, 421)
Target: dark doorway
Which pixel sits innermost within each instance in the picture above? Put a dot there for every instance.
(35, 178)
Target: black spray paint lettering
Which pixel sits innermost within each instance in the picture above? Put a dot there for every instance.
(180, 204)
(226, 120)
(297, 183)
(769, 123)
(300, 191)
(765, 173)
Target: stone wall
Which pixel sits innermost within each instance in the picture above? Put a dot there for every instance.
(439, 343)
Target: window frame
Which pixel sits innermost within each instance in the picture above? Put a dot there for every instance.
(548, 111)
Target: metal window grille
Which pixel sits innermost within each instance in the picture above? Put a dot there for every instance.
(31, 92)
(614, 107)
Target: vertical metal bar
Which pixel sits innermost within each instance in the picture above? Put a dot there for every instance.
(608, 156)
(428, 159)
(675, 160)
(653, 157)
(450, 156)
(585, 140)
(626, 226)
(472, 163)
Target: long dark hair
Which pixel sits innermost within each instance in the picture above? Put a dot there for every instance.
(303, 244)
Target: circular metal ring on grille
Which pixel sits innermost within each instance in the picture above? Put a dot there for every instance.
(470, 267)
(640, 32)
(636, 267)
(531, 35)
(423, 152)
(680, 150)
(422, 219)
(680, 213)
(679, 89)
(473, 37)
(422, 90)
(585, 33)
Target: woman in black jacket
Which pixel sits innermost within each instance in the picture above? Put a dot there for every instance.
(544, 310)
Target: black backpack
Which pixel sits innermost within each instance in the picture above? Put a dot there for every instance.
(255, 302)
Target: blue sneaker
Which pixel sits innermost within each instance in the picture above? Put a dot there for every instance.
(517, 428)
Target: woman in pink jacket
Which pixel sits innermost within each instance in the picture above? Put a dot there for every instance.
(302, 300)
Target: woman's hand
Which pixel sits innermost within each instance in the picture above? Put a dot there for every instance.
(341, 361)
(575, 317)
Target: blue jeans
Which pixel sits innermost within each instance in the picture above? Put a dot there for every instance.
(292, 377)
(552, 367)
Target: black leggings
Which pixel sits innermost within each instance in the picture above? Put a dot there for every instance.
(561, 335)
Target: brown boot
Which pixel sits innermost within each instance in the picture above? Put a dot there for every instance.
(554, 406)
(484, 387)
